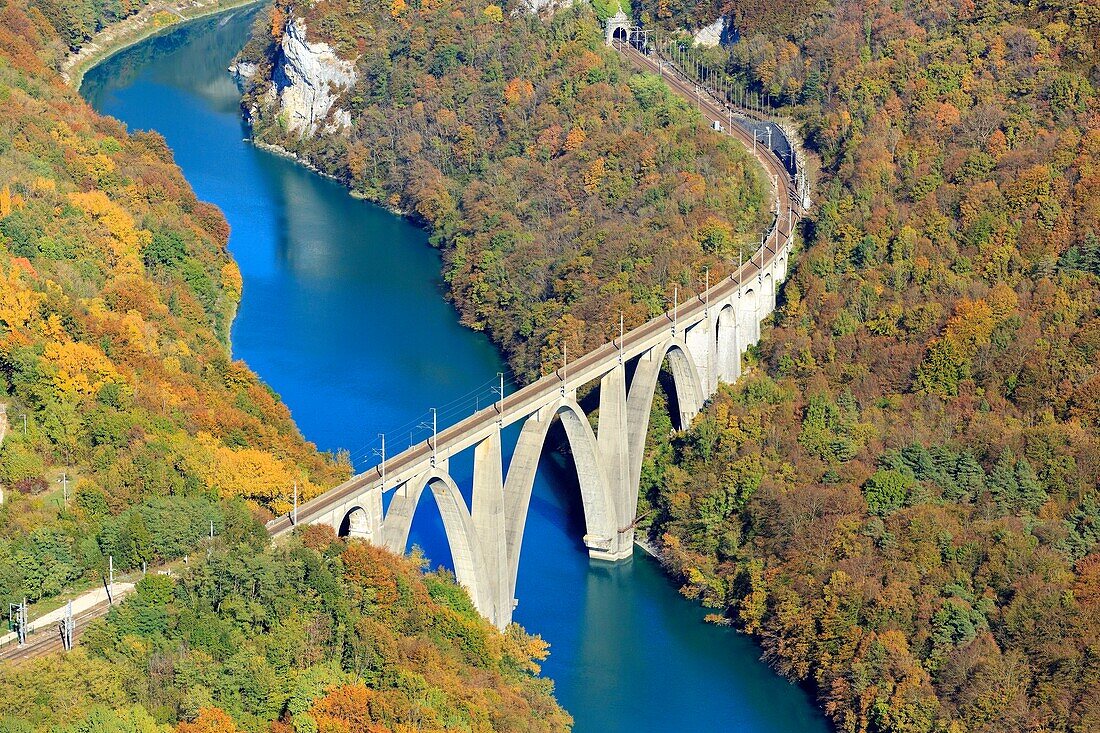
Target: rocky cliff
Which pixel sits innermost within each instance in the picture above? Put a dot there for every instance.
(308, 81)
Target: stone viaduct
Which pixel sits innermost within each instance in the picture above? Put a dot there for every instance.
(701, 342)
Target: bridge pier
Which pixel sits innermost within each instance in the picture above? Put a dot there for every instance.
(490, 526)
(614, 452)
(486, 537)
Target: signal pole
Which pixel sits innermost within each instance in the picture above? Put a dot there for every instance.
(706, 290)
(564, 365)
(67, 628)
(17, 615)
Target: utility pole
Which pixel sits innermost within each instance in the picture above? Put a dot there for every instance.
(111, 574)
(383, 437)
(621, 333)
(675, 307)
(500, 412)
(294, 515)
(211, 529)
(24, 424)
(435, 434)
(64, 481)
(564, 365)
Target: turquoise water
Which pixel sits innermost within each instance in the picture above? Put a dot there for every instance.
(344, 316)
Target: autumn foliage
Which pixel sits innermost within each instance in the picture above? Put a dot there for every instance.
(291, 639)
(550, 174)
(901, 501)
(116, 298)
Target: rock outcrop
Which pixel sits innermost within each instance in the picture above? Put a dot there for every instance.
(307, 83)
(549, 6)
(718, 33)
(243, 70)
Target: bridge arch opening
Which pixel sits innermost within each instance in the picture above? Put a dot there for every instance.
(726, 348)
(685, 397)
(747, 319)
(769, 292)
(355, 525)
(600, 527)
(462, 541)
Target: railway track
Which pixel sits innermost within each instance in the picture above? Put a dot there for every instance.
(47, 639)
(788, 207)
(452, 439)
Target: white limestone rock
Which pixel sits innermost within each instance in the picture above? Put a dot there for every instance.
(242, 70)
(308, 80)
(713, 34)
(538, 6)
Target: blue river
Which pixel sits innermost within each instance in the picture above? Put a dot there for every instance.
(344, 315)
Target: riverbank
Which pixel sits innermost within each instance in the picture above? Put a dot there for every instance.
(153, 18)
(343, 317)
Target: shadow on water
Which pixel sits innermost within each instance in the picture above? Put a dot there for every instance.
(342, 316)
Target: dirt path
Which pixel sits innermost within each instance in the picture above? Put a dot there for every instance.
(154, 17)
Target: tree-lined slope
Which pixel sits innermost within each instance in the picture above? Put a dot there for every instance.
(903, 502)
(561, 186)
(316, 636)
(116, 297)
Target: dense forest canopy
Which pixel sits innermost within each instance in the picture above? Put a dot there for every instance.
(116, 297)
(561, 186)
(318, 635)
(902, 501)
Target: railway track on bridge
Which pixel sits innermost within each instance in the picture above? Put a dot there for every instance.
(457, 437)
(517, 405)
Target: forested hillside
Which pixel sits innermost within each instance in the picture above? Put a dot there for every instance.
(116, 298)
(562, 187)
(902, 501)
(316, 636)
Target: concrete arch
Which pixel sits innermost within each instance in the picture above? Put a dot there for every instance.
(726, 346)
(748, 318)
(689, 396)
(356, 524)
(599, 514)
(462, 537)
(768, 289)
(782, 268)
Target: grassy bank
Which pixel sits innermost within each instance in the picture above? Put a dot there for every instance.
(152, 19)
